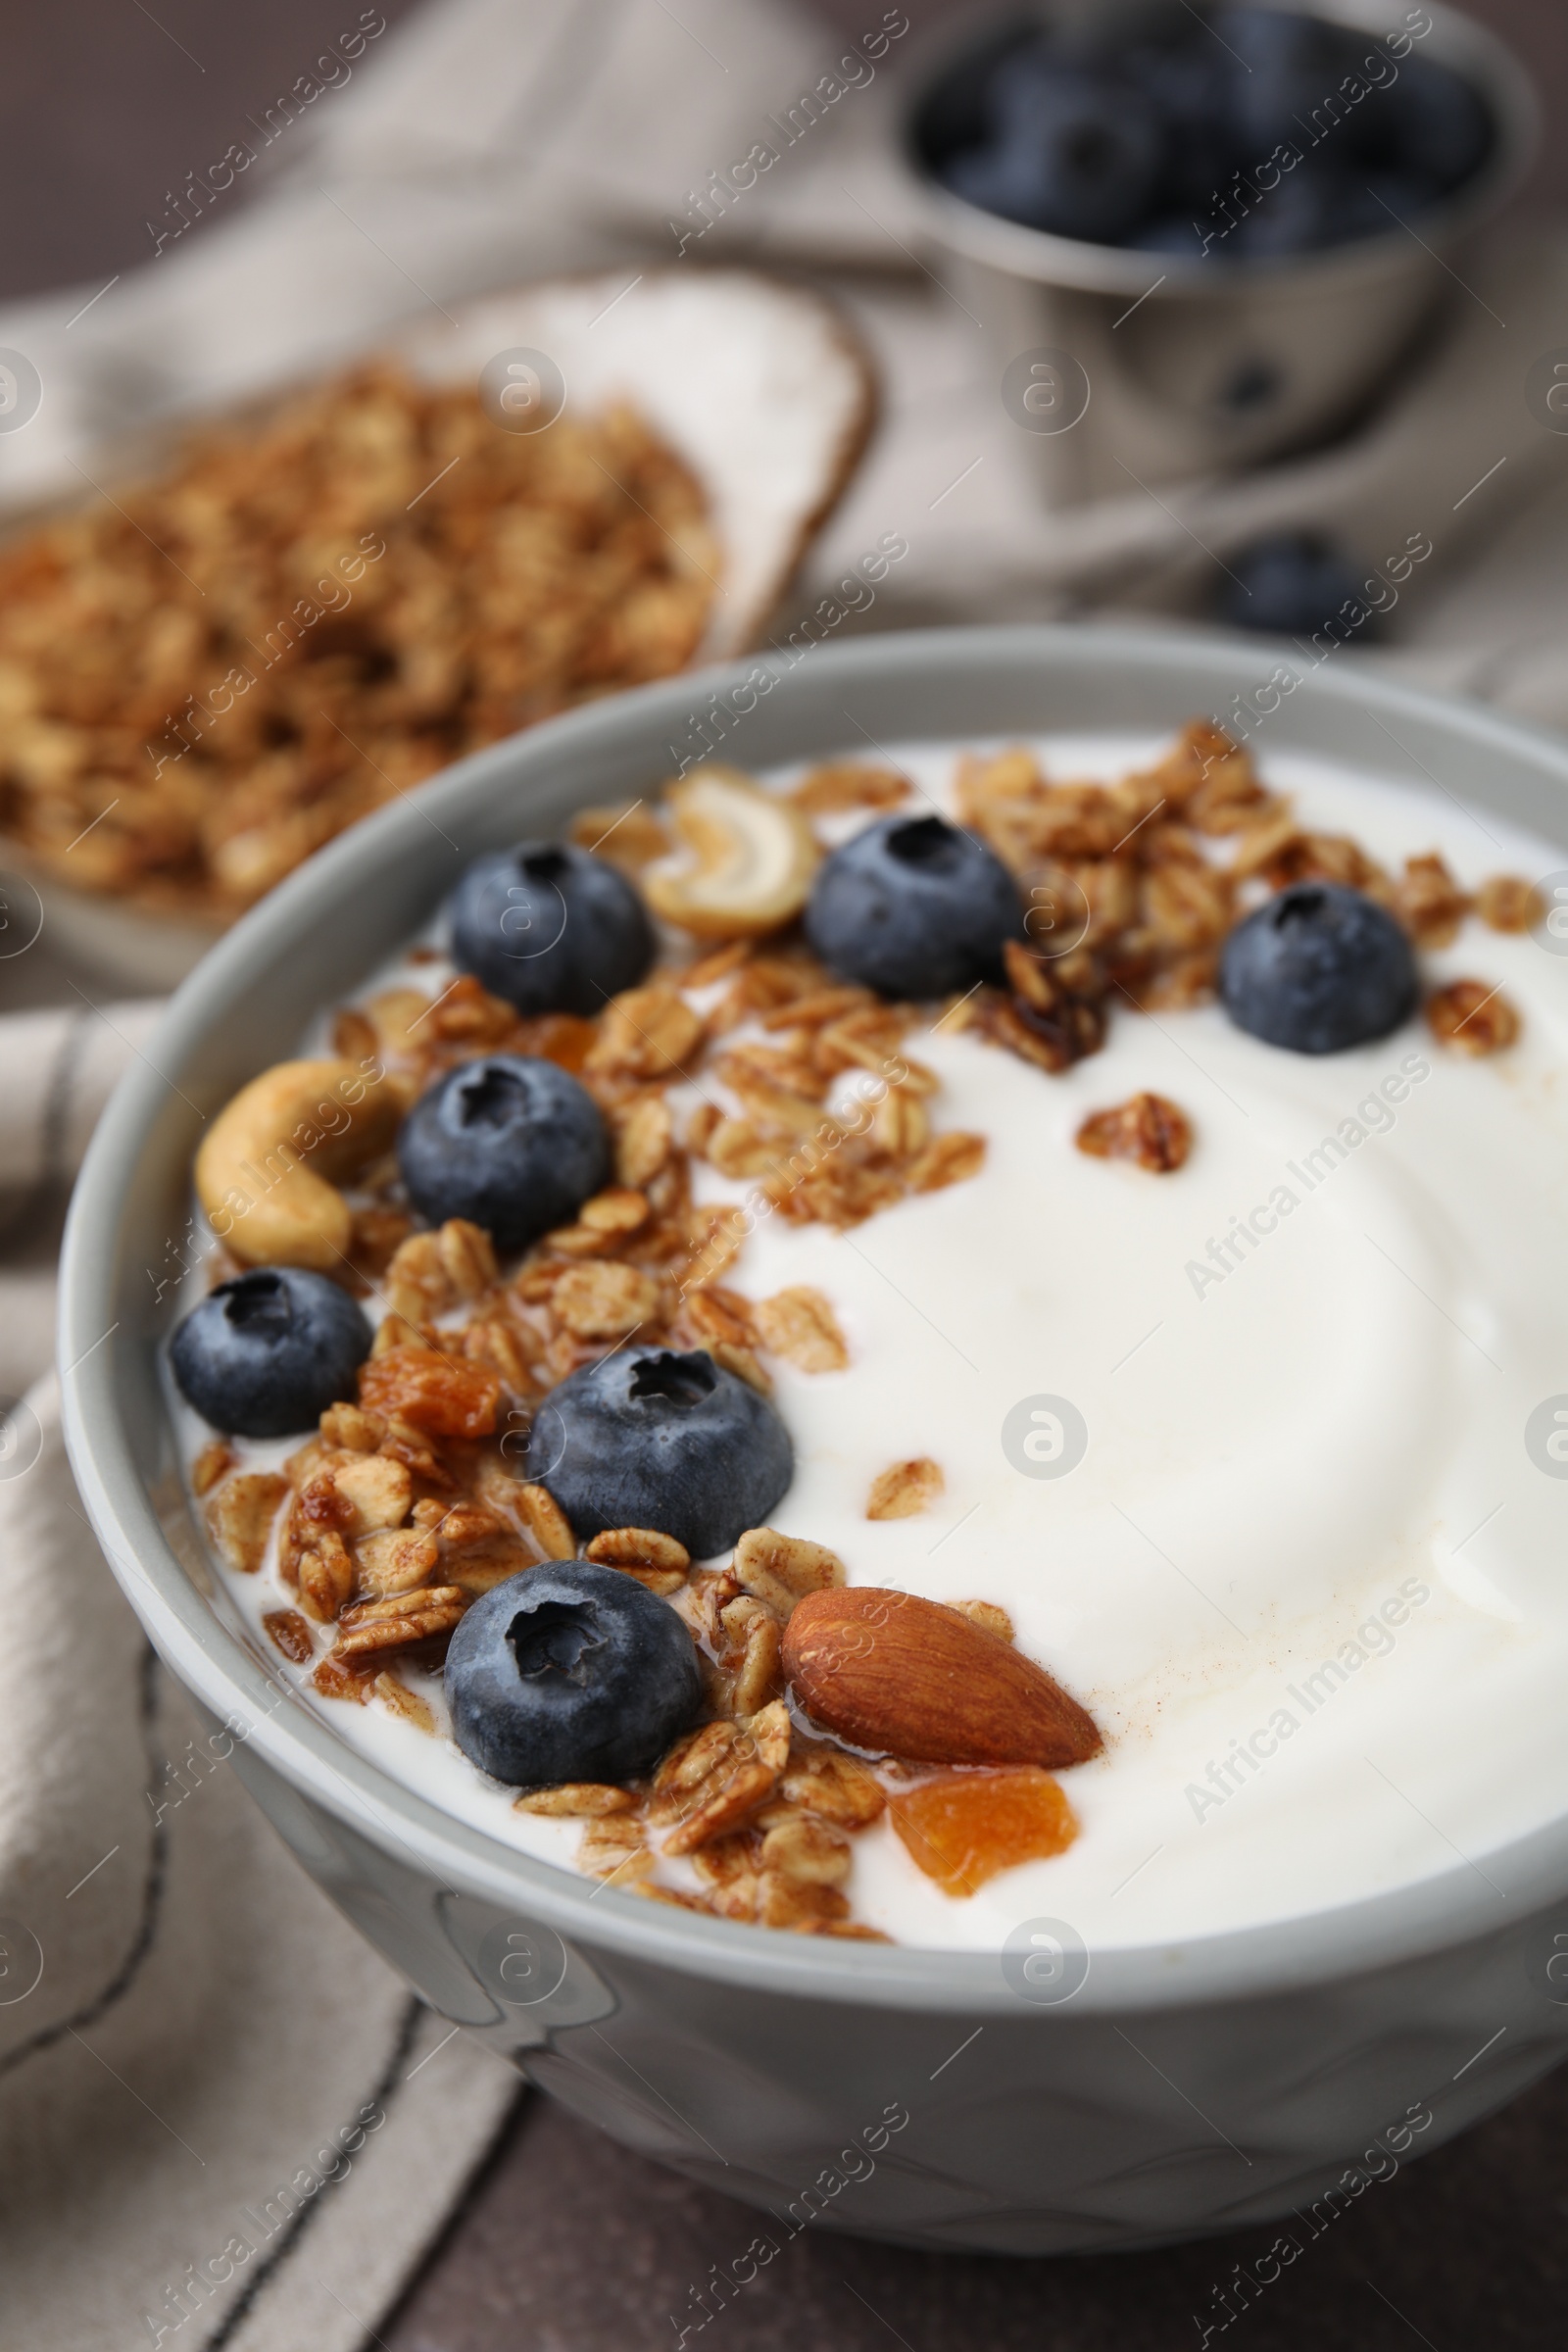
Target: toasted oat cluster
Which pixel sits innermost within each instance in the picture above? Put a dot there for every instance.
(1127, 901)
(222, 666)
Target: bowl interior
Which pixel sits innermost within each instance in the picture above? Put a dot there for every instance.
(333, 922)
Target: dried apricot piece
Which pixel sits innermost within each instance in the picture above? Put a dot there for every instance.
(967, 1826)
(438, 1393)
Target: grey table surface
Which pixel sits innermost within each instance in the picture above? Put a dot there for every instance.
(565, 2238)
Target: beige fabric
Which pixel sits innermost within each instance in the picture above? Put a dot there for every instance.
(222, 2119)
(204, 2021)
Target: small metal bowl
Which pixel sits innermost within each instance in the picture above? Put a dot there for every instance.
(1172, 368)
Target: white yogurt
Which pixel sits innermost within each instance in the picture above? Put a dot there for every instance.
(1306, 1574)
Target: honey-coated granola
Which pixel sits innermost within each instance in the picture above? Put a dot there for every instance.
(407, 1504)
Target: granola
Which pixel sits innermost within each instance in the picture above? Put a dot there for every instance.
(1147, 1128)
(1472, 1017)
(207, 676)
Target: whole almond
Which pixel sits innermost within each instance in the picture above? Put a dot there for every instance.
(907, 1677)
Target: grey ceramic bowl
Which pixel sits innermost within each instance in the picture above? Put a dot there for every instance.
(1184, 2087)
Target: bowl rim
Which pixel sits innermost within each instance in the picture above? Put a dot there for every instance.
(1455, 1905)
(1082, 266)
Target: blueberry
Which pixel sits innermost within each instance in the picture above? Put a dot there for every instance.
(570, 1672)
(1073, 151)
(513, 1143)
(1006, 181)
(913, 906)
(1284, 68)
(1291, 584)
(1380, 204)
(1432, 123)
(1301, 214)
(647, 1437)
(1187, 82)
(264, 1355)
(550, 928)
(1318, 968)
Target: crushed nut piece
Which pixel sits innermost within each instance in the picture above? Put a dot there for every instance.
(797, 1903)
(737, 1148)
(717, 963)
(1147, 1128)
(680, 1898)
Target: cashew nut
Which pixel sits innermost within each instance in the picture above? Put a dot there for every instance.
(267, 1170)
(746, 860)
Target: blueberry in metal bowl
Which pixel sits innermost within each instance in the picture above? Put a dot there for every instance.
(1078, 153)
(1259, 128)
